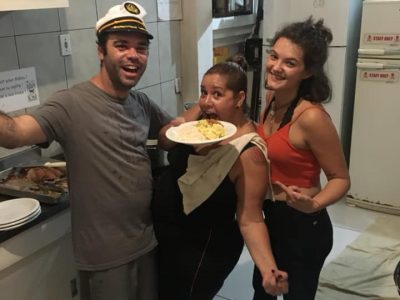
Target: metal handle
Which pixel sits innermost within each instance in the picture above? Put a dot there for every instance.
(376, 66)
(385, 51)
(57, 164)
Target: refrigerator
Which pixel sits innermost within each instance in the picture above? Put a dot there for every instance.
(375, 144)
(343, 17)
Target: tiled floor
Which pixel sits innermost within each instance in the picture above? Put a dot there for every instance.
(348, 223)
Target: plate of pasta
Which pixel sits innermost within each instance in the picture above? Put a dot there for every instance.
(205, 131)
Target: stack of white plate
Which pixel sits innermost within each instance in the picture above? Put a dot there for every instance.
(17, 212)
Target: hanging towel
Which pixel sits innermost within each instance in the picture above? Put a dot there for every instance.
(204, 173)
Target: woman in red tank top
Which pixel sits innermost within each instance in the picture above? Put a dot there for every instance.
(302, 141)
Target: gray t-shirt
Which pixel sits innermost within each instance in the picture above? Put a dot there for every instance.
(109, 172)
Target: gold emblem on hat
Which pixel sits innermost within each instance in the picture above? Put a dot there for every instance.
(132, 8)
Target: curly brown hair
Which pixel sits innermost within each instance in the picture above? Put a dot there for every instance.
(313, 38)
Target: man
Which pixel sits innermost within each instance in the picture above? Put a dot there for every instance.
(103, 126)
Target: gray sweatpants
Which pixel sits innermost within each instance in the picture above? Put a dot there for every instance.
(136, 280)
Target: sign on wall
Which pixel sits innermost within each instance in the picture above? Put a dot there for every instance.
(380, 75)
(18, 89)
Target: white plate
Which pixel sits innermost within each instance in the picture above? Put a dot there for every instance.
(177, 133)
(17, 209)
(33, 214)
(21, 222)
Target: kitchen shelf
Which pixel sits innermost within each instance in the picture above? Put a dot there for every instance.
(234, 21)
(232, 30)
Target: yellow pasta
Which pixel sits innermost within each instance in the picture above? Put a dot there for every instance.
(211, 129)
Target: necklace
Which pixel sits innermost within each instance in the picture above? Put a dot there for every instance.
(274, 109)
(284, 118)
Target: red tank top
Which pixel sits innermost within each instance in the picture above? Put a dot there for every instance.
(290, 165)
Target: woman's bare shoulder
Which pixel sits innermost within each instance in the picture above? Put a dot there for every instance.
(309, 113)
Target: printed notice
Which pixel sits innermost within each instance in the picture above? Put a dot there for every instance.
(169, 10)
(376, 75)
(18, 89)
(381, 38)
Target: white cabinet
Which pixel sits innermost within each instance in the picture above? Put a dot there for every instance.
(336, 15)
(38, 263)
(8, 5)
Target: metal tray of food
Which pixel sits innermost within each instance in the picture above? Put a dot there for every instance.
(47, 185)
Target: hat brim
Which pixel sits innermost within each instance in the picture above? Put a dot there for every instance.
(126, 29)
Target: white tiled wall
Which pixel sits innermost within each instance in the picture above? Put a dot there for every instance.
(31, 38)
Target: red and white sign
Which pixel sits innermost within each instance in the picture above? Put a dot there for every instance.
(381, 38)
(387, 76)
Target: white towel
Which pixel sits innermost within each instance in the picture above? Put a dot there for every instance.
(205, 172)
(364, 270)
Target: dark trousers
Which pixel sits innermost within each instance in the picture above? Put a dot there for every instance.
(196, 266)
(300, 243)
(196, 252)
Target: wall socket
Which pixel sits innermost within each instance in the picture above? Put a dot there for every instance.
(65, 44)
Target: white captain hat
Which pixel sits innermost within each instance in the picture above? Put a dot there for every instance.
(127, 17)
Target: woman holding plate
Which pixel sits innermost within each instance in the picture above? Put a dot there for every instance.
(211, 196)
